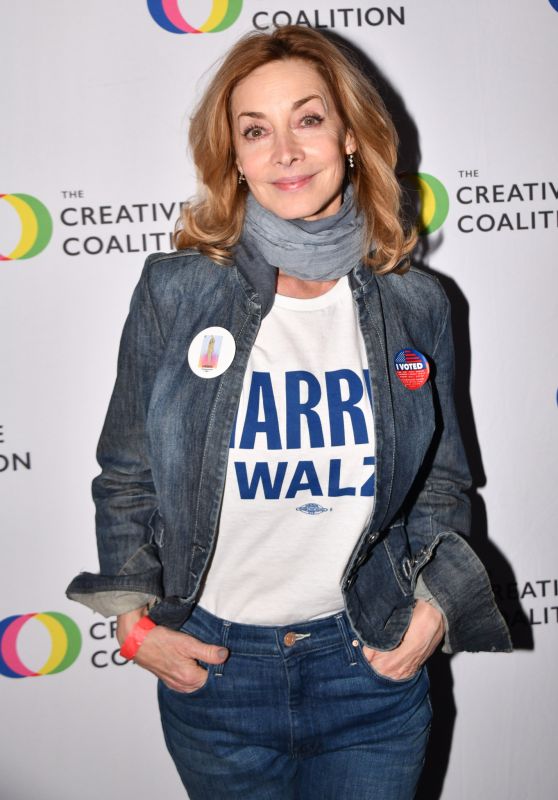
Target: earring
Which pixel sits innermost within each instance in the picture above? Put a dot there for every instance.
(241, 178)
(351, 160)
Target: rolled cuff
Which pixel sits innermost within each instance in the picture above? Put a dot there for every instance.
(138, 584)
(457, 581)
(112, 603)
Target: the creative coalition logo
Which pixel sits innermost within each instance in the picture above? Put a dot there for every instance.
(554, 4)
(433, 200)
(484, 207)
(36, 226)
(65, 644)
(224, 13)
(169, 17)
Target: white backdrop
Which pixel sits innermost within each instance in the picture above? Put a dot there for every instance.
(95, 100)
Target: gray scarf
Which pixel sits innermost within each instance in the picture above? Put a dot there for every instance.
(319, 250)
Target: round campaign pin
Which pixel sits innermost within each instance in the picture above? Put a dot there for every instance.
(412, 368)
(211, 352)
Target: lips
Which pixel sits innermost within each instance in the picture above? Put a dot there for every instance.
(292, 184)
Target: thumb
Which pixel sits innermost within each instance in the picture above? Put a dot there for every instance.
(214, 654)
(202, 651)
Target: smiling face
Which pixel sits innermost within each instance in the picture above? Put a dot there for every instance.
(289, 140)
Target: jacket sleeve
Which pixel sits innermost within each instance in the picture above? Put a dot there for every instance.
(127, 519)
(443, 564)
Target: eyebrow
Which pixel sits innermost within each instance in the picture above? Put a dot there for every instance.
(297, 104)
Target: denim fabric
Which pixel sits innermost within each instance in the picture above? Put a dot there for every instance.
(164, 449)
(310, 720)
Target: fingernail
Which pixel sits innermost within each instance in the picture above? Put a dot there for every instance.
(222, 652)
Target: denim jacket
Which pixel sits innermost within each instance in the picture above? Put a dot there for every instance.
(164, 449)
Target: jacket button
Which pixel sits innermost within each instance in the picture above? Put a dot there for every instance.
(371, 537)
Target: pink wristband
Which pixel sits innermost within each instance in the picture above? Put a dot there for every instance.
(136, 636)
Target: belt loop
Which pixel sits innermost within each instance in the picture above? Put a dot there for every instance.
(218, 672)
(343, 630)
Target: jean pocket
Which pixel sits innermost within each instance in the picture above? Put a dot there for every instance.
(385, 679)
(195, 692)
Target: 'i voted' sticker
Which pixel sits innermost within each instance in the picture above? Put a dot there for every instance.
(412, 368)
(211, 352)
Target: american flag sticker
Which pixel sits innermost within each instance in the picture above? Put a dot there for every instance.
(412, 368)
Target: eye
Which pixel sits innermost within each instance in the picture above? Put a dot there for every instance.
(253, 132)
(311, 120)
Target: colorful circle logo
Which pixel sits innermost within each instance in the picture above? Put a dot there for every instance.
(168, 16)
(65, 638)
(554, 4)
(36, 226)
(433, 199)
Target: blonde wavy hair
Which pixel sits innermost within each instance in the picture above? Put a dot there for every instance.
(212, 223)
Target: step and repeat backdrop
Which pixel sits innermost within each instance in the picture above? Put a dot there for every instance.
(95, 100)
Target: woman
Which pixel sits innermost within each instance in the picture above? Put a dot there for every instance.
(282, 485)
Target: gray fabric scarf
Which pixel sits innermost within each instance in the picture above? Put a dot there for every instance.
(318, 250)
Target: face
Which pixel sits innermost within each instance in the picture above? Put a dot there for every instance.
(289, 140)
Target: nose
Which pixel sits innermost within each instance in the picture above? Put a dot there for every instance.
(287, 148)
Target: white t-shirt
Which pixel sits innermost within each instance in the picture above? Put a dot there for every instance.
(300, 476)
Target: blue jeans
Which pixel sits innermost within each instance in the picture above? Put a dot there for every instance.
(295, 712)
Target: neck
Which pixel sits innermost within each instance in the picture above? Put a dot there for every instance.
(289, 286)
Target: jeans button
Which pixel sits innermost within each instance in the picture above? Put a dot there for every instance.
(289, 639)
